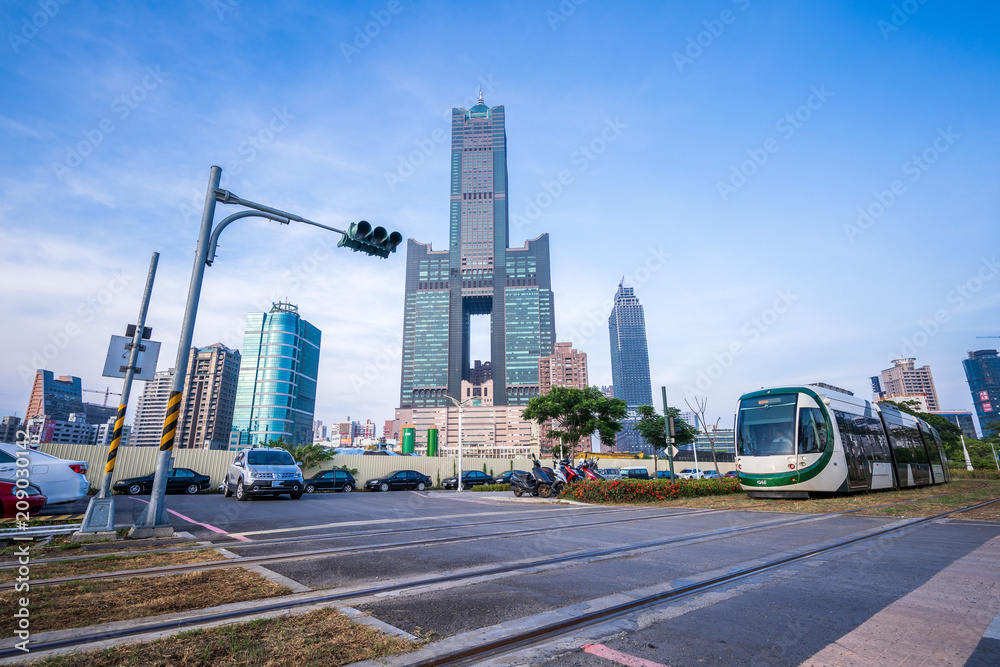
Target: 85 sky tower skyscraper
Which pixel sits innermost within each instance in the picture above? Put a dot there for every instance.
(478, 275)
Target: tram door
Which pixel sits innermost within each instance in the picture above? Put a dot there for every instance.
(858, 471)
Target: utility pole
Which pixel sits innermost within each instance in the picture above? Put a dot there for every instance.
(99, 521)
(668, 423)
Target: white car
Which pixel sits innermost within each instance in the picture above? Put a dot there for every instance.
(59, 480)
(691, 473)
(609, 473)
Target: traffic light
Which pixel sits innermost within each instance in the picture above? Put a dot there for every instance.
(361, 237)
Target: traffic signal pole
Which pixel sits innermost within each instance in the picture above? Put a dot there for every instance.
(154, 521)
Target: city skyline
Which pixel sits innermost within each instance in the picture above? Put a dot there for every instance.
(766, 202)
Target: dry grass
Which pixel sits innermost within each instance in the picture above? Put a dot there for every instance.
(81, 603)
(113, 563)
(322, 637)
(927, 501)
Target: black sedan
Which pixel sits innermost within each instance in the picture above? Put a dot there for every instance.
(504, 477)
(401, 480)
(331, 480)
(469, 479)
(181, 480)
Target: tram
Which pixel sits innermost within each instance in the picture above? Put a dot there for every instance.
(795, 441)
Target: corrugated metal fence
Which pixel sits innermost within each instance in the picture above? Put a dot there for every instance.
(138, 461)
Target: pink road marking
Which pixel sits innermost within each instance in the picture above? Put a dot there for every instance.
(199, 523)
(602, 651)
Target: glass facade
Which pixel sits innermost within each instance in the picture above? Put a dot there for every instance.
(630, 365)
(478, 275)
(982, 369)
(276, 391)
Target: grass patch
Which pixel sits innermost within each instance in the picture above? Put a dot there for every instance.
(492, 487)
(60, 544)
(114, 563)
(321, 637)
(81, 603)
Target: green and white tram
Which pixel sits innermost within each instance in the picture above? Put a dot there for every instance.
(795, 441)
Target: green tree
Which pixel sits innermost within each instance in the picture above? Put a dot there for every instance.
(951, 434)
(652, 427)
(578, 413)
(310, 456)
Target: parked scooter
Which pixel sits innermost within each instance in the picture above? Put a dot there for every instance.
(537, 482)
(589, 470)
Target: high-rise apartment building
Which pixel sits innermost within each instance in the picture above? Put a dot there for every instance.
(276, 391)
(565, 367)
(54, 398)
(630, 365)
(982, 370)
(9, 426)
(151, 409)
(903, 380)
(209, 398)
(478, 275)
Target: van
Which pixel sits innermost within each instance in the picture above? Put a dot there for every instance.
(634, 472)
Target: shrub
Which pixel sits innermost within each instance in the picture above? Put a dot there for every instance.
(492, 487)
(646, 491)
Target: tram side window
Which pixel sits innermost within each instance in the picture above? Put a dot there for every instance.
(880, 445)
(812, 431)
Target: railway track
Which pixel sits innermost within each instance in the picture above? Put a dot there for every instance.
(515, 642)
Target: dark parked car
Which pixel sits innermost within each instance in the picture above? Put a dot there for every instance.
(34, 498)
(331, 480)
(399, 481)
(731, 473)
(470, 479)
(504, 478)
(181, 480)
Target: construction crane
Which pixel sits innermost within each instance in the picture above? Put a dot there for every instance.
(107, 392)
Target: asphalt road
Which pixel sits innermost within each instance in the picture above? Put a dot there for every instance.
(928, 594)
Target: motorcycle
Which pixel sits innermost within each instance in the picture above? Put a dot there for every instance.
(589, 470)
(537, 482)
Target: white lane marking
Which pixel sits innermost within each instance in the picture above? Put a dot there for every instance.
(939, 623)
(371, 522)
(993, 632)
(618, 657)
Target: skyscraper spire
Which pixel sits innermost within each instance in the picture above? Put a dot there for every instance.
(480, 96)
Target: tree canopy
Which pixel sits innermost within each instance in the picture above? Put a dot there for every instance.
(578, 413)
(310, 456)
(652, 427)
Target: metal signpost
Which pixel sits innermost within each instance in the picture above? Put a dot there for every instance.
(99, 521)
(668, 424)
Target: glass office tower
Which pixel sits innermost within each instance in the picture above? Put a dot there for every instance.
(630, 365)
(276, 391)
(478, 275)
(982, 370)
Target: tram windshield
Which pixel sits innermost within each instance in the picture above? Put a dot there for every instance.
(766, 425)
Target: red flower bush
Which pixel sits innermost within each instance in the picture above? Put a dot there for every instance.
(647, 491)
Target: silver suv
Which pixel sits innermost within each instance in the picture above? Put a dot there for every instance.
(263, 471)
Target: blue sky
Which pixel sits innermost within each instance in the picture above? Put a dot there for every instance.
(718, 155)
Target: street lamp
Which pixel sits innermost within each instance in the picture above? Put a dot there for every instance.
(154, 522)
(461, 408)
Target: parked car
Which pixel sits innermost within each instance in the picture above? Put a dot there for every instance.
(634, 472)
(470, 478)
(263, 471)
(609, 473)
(731, 473)
(34, 497)
(691, 473)
(504, 477)
(59, 480)
(400, 480)
(711, 474)
(331, 480)
(665, 474)
(180, 480)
